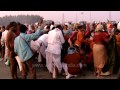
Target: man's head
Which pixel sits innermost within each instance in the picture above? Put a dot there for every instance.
(18, 28)
(52, 23)
(66, 27)
(13, 26)
(59, 27)
(115, 26)
(3, 28)
(81, 28)
(23, 28)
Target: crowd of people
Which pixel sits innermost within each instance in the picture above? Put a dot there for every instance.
(66, 49)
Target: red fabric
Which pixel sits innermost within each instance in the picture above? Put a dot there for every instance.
(101, 37)
(73, 36)
(73, 61)
(91, 43)
(66, 37)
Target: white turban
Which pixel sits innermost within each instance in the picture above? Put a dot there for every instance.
(67, 24)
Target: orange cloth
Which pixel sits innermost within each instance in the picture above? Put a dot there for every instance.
(80, 38)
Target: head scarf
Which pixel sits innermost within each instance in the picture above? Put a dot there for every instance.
(99, 27)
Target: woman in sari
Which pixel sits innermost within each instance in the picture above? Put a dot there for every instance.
(100, 39)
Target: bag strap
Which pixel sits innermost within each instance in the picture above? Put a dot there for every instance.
(26, 42)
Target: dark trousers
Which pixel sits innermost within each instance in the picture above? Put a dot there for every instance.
(3, 51)
(28, 64)
(13, 67)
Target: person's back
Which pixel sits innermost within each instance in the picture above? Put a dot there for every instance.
(80, 36)
(55, 41)
(101, 37)
(43, 38)
(73, 61)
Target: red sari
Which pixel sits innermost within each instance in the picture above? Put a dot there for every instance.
(99, 49)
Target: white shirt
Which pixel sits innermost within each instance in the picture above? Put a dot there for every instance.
(51, 27)
(55, 41)
(3, 38)
(43, 38)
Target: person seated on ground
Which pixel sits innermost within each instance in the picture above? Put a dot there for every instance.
(72, 63)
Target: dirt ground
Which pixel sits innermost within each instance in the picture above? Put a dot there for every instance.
(42, 73)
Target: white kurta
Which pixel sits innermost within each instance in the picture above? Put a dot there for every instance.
(3, 42)
(53, 51)
(55, 41)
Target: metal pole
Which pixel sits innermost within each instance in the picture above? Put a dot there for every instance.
(109, 15)
(82, 15)
(90, 17)
(76, 17)
(63, 19)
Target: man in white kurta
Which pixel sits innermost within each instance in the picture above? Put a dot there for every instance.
(3, 43)
(53, 51)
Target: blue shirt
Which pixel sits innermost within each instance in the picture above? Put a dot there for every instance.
(21, 48)
(67, 32)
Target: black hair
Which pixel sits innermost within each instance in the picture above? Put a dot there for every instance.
(3, 27)
(59, 26)
(66, 26)
(115, 25)
(48, 27)
(53, 28)
(52, 23)
(18, 23)
(7, 27)
(13, 24)
(23, 28)
(80, 27)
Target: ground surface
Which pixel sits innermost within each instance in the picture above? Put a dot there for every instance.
(42, 73)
